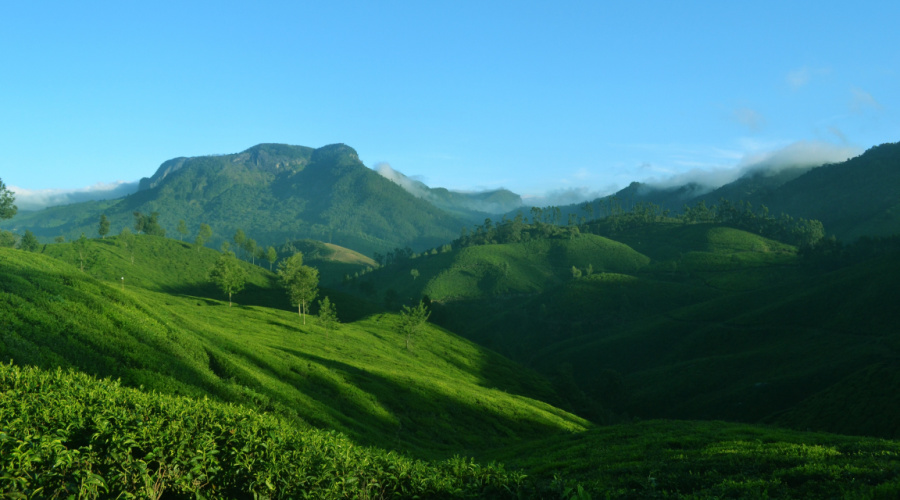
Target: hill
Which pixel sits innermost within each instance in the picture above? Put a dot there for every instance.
(854, 198)
(442, 396)
(667, 319)
(671, 320)
(273, 192)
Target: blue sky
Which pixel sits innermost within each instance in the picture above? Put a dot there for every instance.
(573, 98)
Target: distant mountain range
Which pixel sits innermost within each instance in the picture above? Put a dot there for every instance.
(854, 198)
(278, 192)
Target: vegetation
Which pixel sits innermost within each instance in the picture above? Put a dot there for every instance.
(8, 208)
(325, 194)
(446, 397)
(612, 312)
(412, 319)
(228, 275)
(66, 434)
(300, 282)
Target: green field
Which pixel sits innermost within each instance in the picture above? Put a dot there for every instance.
(154, 385)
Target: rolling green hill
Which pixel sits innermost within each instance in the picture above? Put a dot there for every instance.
(361, 380)
(675, 320)
(696, 321)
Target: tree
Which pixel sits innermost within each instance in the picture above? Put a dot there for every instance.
(29, 242)
(250, 248)
(103, 230)
(203, 235)
(140, 222)
(300, 282)
(412, 319)
(271, 256)
(576, 273)
(414, 273)
(59, 239)
(7, 239)
(182, 229)
(327, 319)
(152, 226)
(126, 239)
(228, 275)
(239, 238)
(84, 255)
(7, 198)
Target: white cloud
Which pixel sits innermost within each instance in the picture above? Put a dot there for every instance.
(798, 77)
(801, 154)
(35, 199)
(801, 77)
(749, 118)
(862, 100)
(567, 196)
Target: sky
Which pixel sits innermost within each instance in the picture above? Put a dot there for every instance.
(552, 100)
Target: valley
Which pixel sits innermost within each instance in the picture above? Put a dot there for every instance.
(619, 348)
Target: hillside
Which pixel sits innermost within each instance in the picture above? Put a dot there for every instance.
(854, 198)
(274, 193)
(697, 321)
(673, 320)
(442, 396)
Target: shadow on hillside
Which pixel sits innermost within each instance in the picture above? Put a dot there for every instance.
(103, 337)
(420, 418)
(252, 295)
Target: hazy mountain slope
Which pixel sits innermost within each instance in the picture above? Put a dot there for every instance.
(274, 193)
(858, 197)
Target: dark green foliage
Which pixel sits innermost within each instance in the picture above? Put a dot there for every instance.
(412, 319)
(8, 208)
(64, 433)
(103, 228)
(675, 459)
(327, 317)
(29, 242)
(182, 229)
(300, 282)
(203, 235)
(7, 239)
(228, 275)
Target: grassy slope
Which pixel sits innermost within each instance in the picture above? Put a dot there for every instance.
(676, 459)
(774, 344)
(713, 300)
(502, 270)
(360, 380)
(444, 395)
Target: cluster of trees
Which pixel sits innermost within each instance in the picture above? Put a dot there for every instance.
(514, 231)
(742, 215)
(147, 224)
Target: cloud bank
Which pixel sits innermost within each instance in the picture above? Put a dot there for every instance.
(801, 154)
(36, 199)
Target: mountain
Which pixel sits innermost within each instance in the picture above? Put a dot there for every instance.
(273, 192)
(473, 205)
(855, 198)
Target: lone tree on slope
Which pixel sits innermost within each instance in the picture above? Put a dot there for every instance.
(328, 319)
(228, 275)
(300, 282)
(103, 230)
(412, 319)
